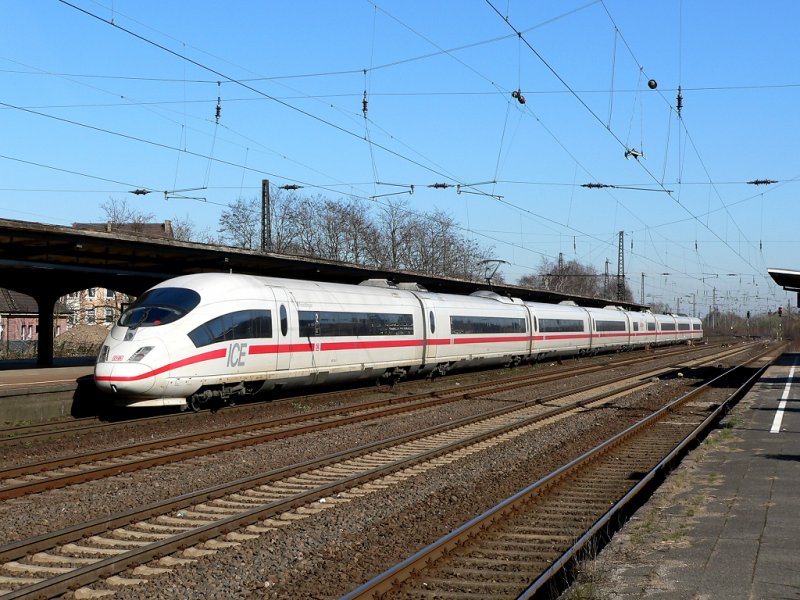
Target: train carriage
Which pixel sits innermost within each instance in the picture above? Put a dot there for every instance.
(559, 329)
(683, 327)
(350, 332)
(611, 328)
(697, 329)
(666, 329)
(643, 328)
(484, 328)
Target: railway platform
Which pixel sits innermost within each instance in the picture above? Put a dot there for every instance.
(725, 524)
(29, 394)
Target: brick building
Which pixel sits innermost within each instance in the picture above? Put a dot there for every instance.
(19, 322)
(95, 306)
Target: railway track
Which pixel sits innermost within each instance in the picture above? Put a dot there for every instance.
(167, 534)
(50, 431)
(53, 474)
(27, 434)
(518, 548)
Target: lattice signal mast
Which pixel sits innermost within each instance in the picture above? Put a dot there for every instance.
(621, 268)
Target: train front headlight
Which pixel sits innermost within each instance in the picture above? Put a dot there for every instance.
(103, 356)
(140, 353)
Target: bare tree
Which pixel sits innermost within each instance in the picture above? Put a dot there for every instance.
(569, 277)
(348, 231)
(394, 227)
(184, 229)
(360, 233)
(239, 224)
(118, 212)
(285, 220)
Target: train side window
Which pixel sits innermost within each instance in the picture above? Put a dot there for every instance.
(469, 324)
(561, 326)
(284, 321)
(240, 325)
(347, 324)
(610, 326)
(433, 322)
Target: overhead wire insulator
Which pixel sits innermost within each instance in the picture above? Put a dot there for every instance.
(440, 186)
(219, 105)
(291, 186)
(517, 94)
(762, 181)
(596, 185)
(364, 104)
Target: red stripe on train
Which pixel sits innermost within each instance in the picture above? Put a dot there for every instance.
(211, 355)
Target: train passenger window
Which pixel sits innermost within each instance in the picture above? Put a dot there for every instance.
(284, 320)
(560, 325)
(667, 326)
(239, 325)
(472, 324)
(342, 324)
(635, 326)
(433, 322)
(684, 327)
(651, 326)
(610, 326)
(160, 306)
(696, 327)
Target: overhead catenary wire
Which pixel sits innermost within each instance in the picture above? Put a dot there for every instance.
(246, 86)
(573, 188)
(600, 121)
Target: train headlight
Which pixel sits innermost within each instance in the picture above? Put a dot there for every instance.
(140, 353)
(103, 356)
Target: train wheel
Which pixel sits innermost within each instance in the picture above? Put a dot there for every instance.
(196, 402)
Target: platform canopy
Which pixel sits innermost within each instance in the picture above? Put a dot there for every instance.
(788, 279)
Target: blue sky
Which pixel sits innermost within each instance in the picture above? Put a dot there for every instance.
(90, 110)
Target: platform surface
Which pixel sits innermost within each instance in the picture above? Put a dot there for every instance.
(726, 523)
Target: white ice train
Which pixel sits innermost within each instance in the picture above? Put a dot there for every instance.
(198, 337)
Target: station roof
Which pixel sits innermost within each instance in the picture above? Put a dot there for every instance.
(37, 258)
(786, 278)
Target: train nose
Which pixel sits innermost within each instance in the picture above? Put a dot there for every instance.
(127, 371)
(124, 378)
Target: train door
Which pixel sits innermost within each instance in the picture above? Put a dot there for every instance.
(429, 325)
(629, 339)
(286, 315)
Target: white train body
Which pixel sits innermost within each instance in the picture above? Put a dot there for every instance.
(220, 335)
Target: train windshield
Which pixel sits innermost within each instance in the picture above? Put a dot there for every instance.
(159, 307)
